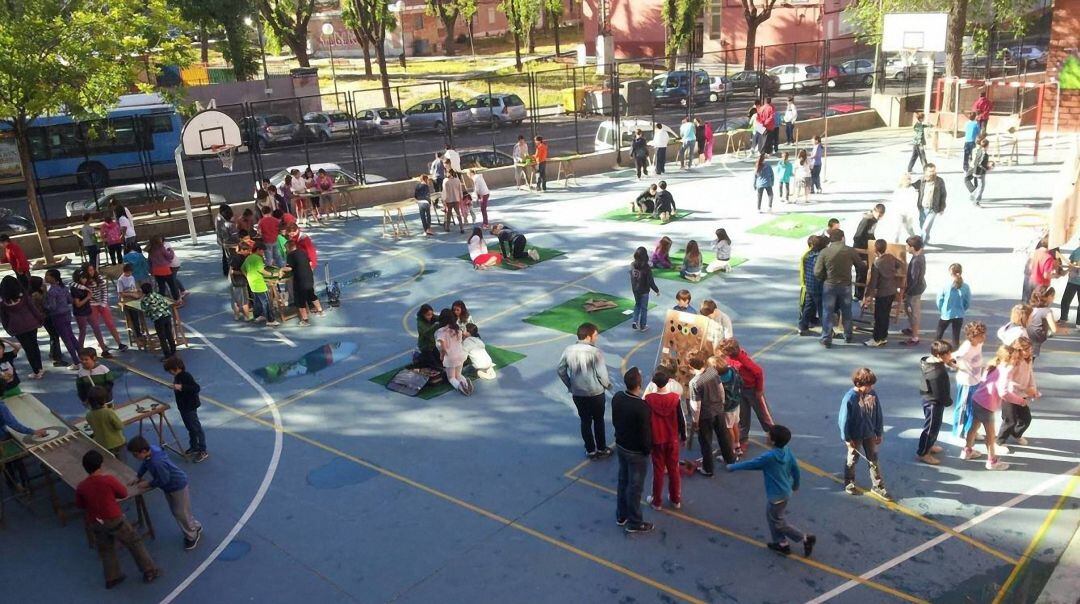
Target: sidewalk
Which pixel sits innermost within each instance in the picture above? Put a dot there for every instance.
(1064, 585)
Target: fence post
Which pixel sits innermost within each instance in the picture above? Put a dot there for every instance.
(574, 95)
(615, 121)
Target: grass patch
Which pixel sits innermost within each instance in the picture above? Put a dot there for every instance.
(624, 215)
(501, 356)
(794, 226)
(676, 263)
(546, 253)
(566, 317)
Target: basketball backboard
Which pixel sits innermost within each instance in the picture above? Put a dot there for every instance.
(208, 132)
(914, 32)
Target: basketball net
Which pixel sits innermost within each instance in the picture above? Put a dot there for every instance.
(226, 153)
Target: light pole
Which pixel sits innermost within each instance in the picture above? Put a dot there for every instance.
(328, 32)
(262, 51)
(398, 8)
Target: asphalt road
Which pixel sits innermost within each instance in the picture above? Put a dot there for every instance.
(397, 157)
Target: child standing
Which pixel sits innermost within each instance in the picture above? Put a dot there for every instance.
(691, 264)
(100, 310)
(90, 374)
(158, 310)
(936, 391)
(732, 384)
(80, 308)
(172, 481)
(1017, 327)
(477, 352)
(187, 403)
(58, 307)
(127, 289)
(781, 472)
(140, 266)
(914, 289)
(1041, 325)
(682, 302)
(668, 430)
(303, 282)
(661, 253)
(106, 424)
(238, 285)
(641, 282)
(448, 339)
(763, 181)
(720, 327)
(986, 401)
(722, 248)
(817, 158)
(113, 237)
(862, 425)
(881, 289)
(785, 169)
(254, 269)
(1018, 389)
(803, 180)
(707, 404)
(969, 364)
(753, 393)
(88, 236)
(953, 302)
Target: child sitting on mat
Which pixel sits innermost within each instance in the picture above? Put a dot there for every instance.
(646, 201)
(660, 256)
(691, 264)
(665, 204)
(722, 247)
(512, 244)
(477, 351)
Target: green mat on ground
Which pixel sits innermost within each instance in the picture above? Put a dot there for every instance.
(546, 253)
(676, 263)
(795, 226)
(566, 317)
(625, 215)
(501, 356)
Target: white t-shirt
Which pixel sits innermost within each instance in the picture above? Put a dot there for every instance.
(298, 186)
(480, 186)
(477, 247)
(969, 364)
(477, 352)
(126, 224)
(521, 151)
(661, 138)
(126, 283)
(791, 114)
(455, 159)
(672, 386)
(802, 170)
(722, 249)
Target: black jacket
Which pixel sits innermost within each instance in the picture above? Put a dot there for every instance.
(633, 427)
(664, 201)
(935, 385)
(639, 148)
(937, 204)
(187, 398)
(864, 233)
(641, 279)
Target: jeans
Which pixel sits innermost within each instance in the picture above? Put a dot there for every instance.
(811, 309)
(196, 436)
(169, 281)
(869, 448)
(706, 429)
(164, 329)
(642, 165)
(591, 413)
(1071, 289)
(1015, 420)
(425, 213)
(641, 310)
(517, 247)
(815, 178)
(956, 325)
(752, 400)
(882, 314)
(483, 206)
(263, 307)
(932, 413)
(54, 341)
(180, 506)
(105, 537)
(761, 190)
(789, 131)
(918, 152)
(968, 148)
(833, 298)
(92, 253)
(273, 255)
(665, 460)
(686, 154)
(780, 530)
(541, 176)
(28, 341)
(927, 218)
(661, 159)
(632, 468)
(980, 183)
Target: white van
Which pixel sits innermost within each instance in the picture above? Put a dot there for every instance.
(605, 133)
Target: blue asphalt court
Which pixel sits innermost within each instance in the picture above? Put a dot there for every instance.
(323, 486)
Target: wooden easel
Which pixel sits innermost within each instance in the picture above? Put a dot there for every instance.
(684, 334)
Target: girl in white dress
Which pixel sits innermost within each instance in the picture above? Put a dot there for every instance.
(448, 340)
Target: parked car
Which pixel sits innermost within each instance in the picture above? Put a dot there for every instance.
(12, 223)
(430, 114)
(605, 133)
(1032, 56)
(860, 71)
(341, 176)
(484, 158)
(379, 122)
(797, 76)
(744, 81)
(721, 88)
(133, 196)
(498, 108)
(269, 130)
(674, 88)
(898, 70)
(325, 125)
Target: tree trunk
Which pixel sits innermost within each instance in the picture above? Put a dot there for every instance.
(448, 41)
(204, 45)
(751, 41)
(954, 48)
(23, 143)
(555, 17)
(384, 78)
(532, 39)
(236, 39)
(517, 53)
(367, 57)
(298, 45)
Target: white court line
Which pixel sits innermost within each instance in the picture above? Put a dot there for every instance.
(281, 338)
(268, 477)
(915, 551)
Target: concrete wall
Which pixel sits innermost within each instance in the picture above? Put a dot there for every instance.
(231, 93)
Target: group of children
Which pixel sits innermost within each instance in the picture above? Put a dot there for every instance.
(806, 172)
(447, 341)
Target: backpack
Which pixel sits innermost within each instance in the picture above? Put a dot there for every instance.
(732, 391)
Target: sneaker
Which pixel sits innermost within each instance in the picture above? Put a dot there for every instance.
(634, 326)
(826, 343)
(273, 323)
(677, 505)
(605, 452)
(936, 449)
(970, 454)
(851, 489)
(201, 456)
(1002, 450)
(59, 364)
(535, 255)
(37, 375)
(590, 454)
(105, 354)
(304, 324)
(1023, 442)
(621, 521)
(783, 549)
(151, 575)
(702, 471)
(929, 459)
(996, 464)
(122, 348)
(656, 506)
(881, 492)
(75, 367)
(115, 582)
(644, 328)
(874, 343)
(805, 332)
(644, 527)
(808, 545)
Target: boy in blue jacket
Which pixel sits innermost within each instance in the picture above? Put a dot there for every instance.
(861, 427)
(781, 471)
(172, 481)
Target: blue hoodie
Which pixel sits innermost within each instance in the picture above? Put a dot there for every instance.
(954, 302)
(858, 422)
(164, 474)
(781, 471)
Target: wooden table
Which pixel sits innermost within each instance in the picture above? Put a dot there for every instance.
(393, 220)
(279, 290)
(149, 340)
(327, 200)
(140, 411)
(565, 171)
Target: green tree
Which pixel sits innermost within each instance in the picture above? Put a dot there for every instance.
(227, 16)
(76, 56)
(554, 10)
(448, 12)
(754, 17)
(680, 17)
(289, 19)
(521, 16)
(369, 21)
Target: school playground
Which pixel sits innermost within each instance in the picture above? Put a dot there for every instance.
(323, 486)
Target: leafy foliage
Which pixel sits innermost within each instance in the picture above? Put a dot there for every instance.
(288, 20)
(240, 47)
(680, 16)
(868, 16)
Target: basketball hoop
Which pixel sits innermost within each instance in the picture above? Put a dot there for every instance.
(226, 153)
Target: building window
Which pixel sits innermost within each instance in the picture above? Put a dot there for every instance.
(491, 16)
(419, 21)
(716, 17)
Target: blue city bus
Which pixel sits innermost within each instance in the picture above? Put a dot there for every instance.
(140, 132)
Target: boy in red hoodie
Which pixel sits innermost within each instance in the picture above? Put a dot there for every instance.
(753, 392)
(668, 430)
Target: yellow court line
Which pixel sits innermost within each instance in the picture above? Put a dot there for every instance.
(510, 523)
(761, 544)
(1027, 555)
(906, 511)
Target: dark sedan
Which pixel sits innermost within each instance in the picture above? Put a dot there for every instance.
(750, 81)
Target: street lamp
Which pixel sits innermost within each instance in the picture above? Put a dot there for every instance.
(328, 32)
(262, 51)
(398, 8)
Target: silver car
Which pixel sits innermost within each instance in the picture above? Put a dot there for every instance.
(133, 196)
(269, 129)
(325, 125)
(431, 115)
(499, 109)
(379, 122)
(341, 176)
(860, 70)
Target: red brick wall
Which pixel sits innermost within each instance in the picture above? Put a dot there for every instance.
(1064, 40)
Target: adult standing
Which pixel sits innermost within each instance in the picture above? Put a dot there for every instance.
(1072, 288)
(982, 108)
(422, 195)
(901, 214)
(540, 156)
(709, 135)
(882, 288)
(453, 192)
(482, 193)
(453, 157)
(833, 267)
(931, 199)
(584, 373)
(699, 136)
(227, 234)
(688, 134)
(1041, 268)
(639, 149)
(21, 319)
(520, 153)
(660, 141)
(766, 116)
(817, 158)
(918, 141)
(16, 257)
(437, 171)
(630, 417)
(791, 115)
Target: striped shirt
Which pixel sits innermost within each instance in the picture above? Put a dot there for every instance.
(99, 292)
